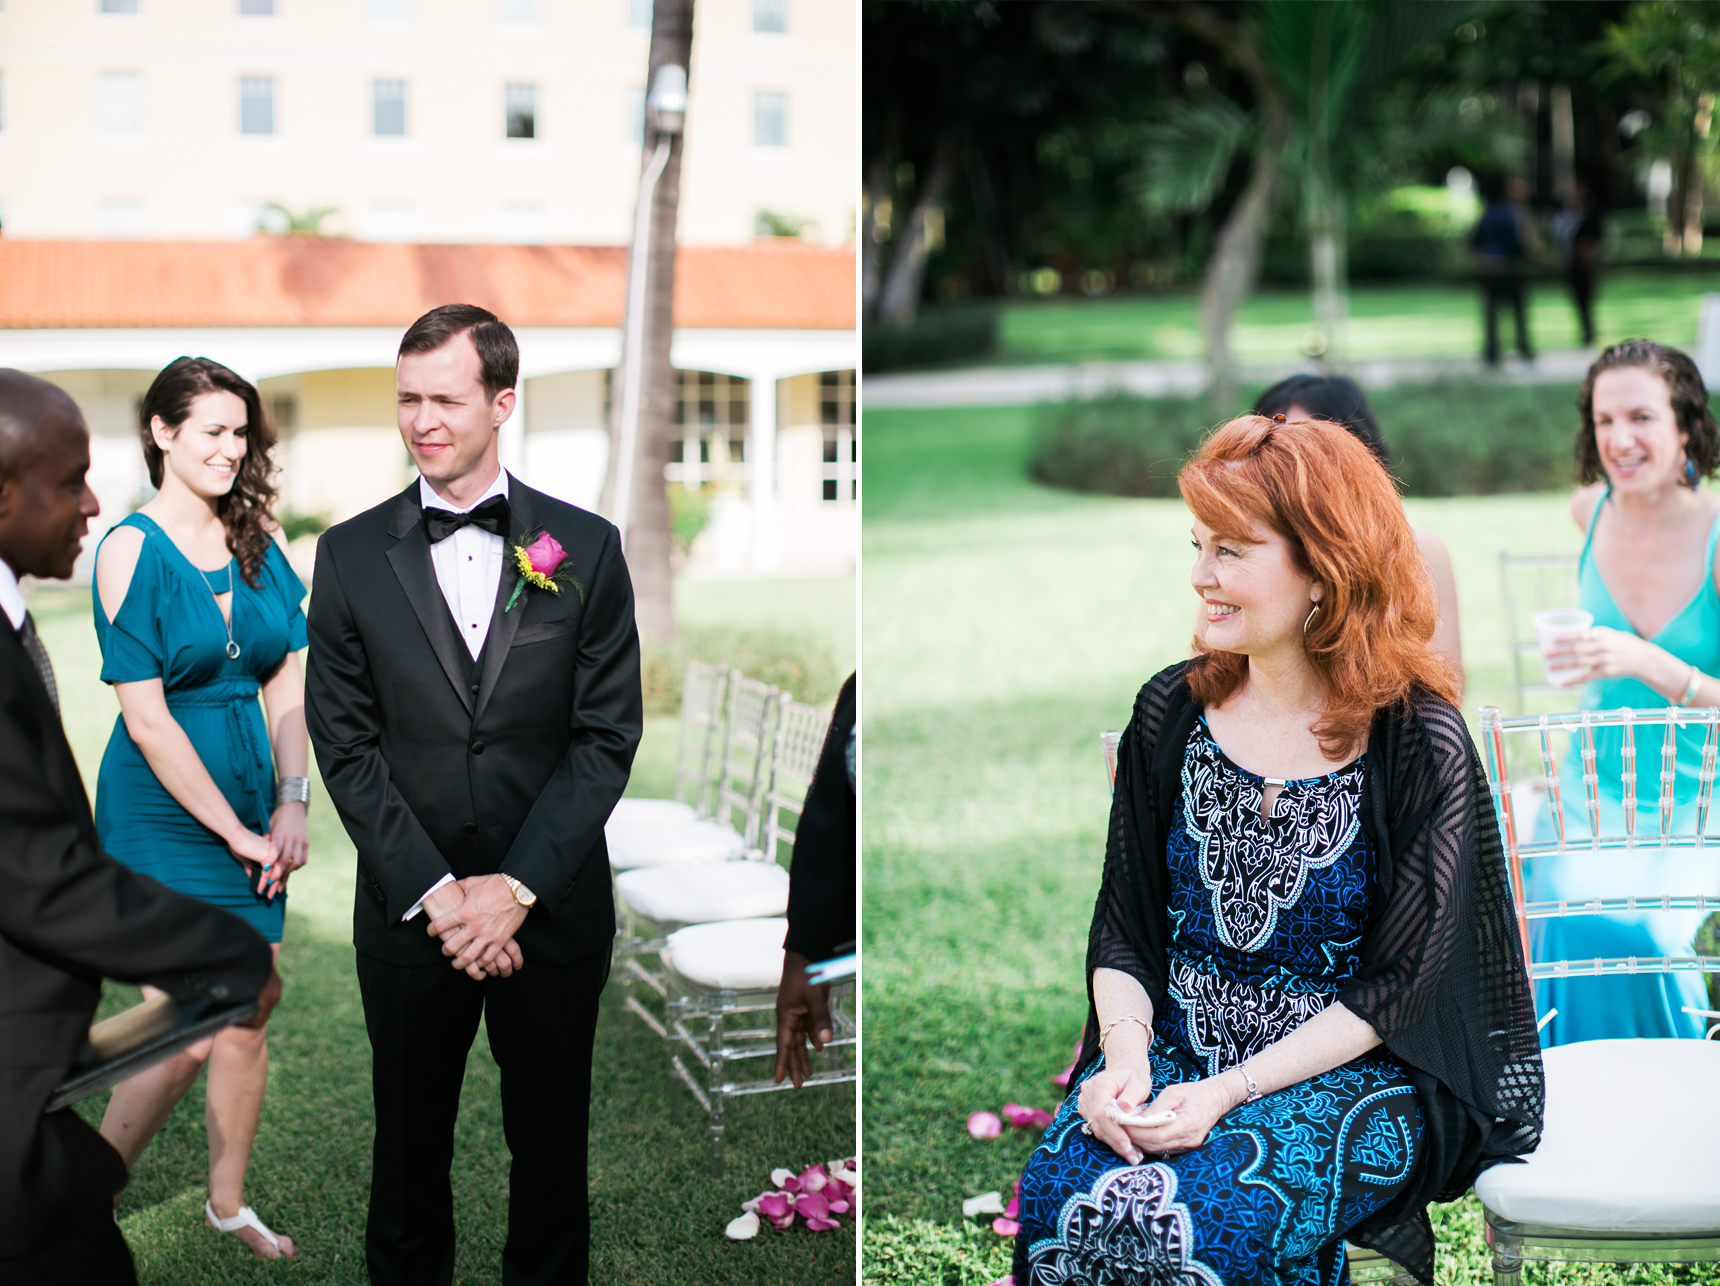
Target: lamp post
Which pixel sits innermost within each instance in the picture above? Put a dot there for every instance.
(666, 110)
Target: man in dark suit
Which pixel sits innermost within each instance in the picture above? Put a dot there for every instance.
(69, 914)
(475, 730)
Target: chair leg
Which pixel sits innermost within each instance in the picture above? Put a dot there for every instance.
(1507, 1268)
(718, 1103)
(672, 1082)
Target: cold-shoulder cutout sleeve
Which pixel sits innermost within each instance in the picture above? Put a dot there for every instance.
(292, 591)
(133, 649)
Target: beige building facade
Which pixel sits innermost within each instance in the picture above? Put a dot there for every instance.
(426, 121)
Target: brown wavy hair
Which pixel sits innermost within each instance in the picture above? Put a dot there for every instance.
(1325, 493)
(247, 511)
(1689, 407)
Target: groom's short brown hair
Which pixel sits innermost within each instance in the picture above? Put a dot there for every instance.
(498, 353)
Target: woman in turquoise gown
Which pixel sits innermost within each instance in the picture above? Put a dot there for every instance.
(1647, 575)
(197, 613)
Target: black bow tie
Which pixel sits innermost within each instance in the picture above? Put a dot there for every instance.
(492, 515)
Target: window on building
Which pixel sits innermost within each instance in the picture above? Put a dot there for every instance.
(121, 219)
(521, 13)
(388, 100)
(521, 104)
(284, 413)
(636, 115)
(770, 16)
(770, 118)
(119, 102)
(639, 14)
(391, 10)
(256, 104)
(257, 8)
(708, 443)
(118, 6)
(840, 473)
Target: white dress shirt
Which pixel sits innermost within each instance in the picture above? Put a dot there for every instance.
(468, 569)
(11, 596)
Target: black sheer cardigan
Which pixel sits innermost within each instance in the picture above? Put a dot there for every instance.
(1442, 979)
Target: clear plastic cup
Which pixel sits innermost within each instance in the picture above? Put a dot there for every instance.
(1553, 626)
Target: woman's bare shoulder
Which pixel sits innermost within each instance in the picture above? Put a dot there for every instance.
(116, 563)
(1584, 502)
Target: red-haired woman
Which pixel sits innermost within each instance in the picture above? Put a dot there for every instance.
(1309, 1014)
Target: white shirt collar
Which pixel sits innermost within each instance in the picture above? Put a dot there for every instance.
(430, 500)
(11, 596)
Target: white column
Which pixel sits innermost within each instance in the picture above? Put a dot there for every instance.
(761, 471)
(513, 433)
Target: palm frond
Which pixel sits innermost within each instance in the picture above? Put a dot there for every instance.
(1186, 156)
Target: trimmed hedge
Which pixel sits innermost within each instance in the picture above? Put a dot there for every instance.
(801, 663)
(1451, 438)
(938, 336)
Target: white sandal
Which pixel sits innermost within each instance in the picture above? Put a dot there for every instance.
(246, 1218)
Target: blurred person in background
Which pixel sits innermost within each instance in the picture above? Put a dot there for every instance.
(1578, 231)
(197, 612)
(1502, 243)
(69, 914)
(1337, 399)
(1647, 575)
(1304, 935)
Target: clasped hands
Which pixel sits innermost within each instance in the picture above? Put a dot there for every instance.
(476, 918)
(1198, 1105)
(279, 852)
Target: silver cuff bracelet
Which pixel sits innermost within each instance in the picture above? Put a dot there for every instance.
(293, 790)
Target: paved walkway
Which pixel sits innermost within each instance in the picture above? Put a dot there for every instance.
(1027, 385)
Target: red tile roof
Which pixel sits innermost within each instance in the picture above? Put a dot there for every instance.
(309, 281)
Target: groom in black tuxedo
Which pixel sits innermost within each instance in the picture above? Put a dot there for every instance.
(474, 744)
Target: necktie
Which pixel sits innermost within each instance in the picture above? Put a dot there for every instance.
(493, 516)
(39, 656)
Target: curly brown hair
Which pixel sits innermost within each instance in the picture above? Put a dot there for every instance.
(1689, 406)
(247, 510)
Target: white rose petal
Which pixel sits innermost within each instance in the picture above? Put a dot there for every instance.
(990, 1203)
(782, 1176)
(743, 1229)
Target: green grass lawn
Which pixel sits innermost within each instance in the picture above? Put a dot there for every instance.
(1410, 320)
(1005, 626)
(657, 1215)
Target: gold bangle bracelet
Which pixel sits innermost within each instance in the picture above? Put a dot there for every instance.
(1105, 1031)
(1690, 689)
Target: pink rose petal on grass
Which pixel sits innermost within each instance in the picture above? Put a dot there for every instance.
(1026, 1118)
(813, 1179)
(1005, 1227)
(545, 554)
(775, 1206)
(985, 1125)
(1062, 1077)
(785, 1179)
(1013, 1209)
(812, 1205)
(1004, 1281)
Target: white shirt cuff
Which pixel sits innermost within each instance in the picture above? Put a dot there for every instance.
(419, 904)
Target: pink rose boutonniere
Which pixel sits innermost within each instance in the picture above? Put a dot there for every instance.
(543, 564)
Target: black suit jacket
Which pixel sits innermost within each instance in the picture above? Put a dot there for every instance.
(431, 776)
(69, 916)
(821, 885)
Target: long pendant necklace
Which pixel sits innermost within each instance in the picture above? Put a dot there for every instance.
(232, 647)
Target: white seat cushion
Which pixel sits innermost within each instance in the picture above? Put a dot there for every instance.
(652, 812)
(671, 844)
(700, 894)
(736, 955)
(1629, 1145)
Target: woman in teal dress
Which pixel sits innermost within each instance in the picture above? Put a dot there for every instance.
(198, 612)
(1647, 574)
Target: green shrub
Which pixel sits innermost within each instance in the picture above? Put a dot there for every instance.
(295, 524)
(950, 333)
(1451, 438)
(689, 511)
(800, 663)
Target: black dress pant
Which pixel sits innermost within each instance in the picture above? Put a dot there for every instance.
(92, 1252)
(1505, 289)
(541, 1024)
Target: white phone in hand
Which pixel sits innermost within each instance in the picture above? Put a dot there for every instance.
(1135, 1118)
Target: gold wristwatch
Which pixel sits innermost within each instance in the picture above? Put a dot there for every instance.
(524, 896)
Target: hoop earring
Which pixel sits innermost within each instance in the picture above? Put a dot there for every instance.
(1311, 616)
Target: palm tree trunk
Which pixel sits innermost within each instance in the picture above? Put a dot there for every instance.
(647, 539)
(899, 298)
(1231, 274)
(875, 194)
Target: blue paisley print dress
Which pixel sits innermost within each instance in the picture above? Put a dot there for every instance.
(1266, 922)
